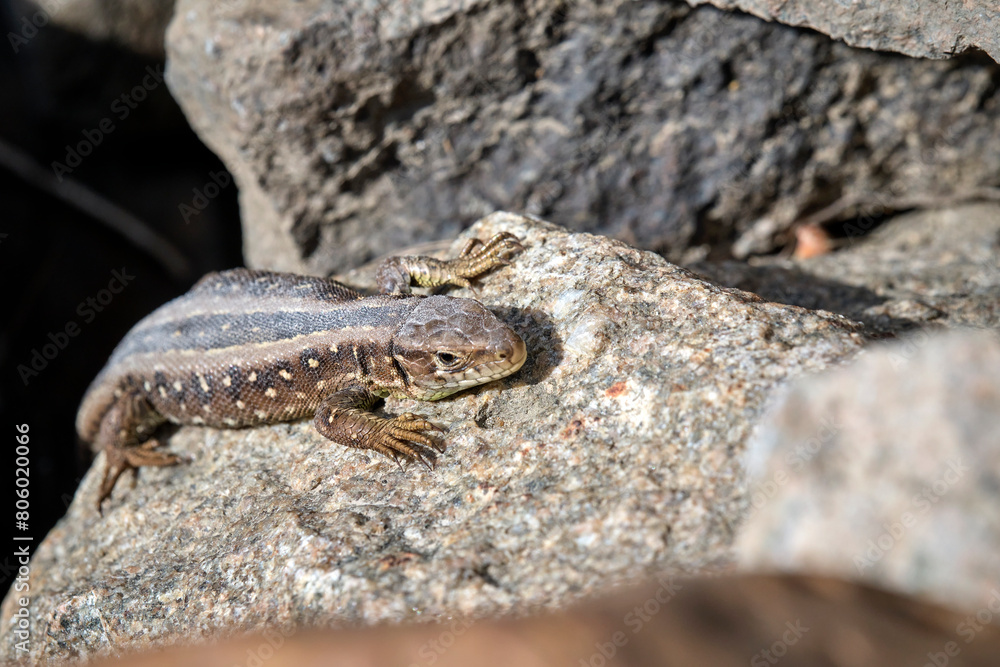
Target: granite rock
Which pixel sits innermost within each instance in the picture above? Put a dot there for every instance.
(358, 127)
(887, 471)
(614, 454)
(924, 270)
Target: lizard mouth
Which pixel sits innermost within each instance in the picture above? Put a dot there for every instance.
(492, 370)
(487, 371)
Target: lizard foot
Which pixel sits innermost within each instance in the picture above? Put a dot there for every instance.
(396, 438)
(396, 274)
(344, 418)
(498, 250)
(119, 459)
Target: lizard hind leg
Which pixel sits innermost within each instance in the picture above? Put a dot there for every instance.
(129, 421)
(118, 459)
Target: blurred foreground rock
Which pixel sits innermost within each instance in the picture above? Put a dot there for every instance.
(728, 621)
(887, 471)
(614, 454)
(356, 128)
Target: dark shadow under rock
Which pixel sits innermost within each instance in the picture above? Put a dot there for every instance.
(795, 286)
(929, 269)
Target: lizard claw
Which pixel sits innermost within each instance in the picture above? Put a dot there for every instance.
(404, 438)
(470, 246)
(501, 247)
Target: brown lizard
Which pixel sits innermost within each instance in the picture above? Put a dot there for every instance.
(246, 347)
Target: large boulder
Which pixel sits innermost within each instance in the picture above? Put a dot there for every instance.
(887, 471)
(354, 128)
(614, 454)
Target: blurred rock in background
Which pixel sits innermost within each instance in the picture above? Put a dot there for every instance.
(358, 127)
(922, 28)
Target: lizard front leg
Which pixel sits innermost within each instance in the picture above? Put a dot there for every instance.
(344, 417)
(129, 422)
(396, 274)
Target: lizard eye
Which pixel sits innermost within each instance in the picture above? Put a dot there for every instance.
(446, 359)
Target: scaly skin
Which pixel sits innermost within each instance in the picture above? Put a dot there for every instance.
(244, 348)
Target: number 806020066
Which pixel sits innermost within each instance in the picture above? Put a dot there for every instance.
(21, 473)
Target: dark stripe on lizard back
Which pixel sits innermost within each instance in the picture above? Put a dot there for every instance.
(268, 284)
(215, 331)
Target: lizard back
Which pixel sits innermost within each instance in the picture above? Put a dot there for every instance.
(244, 343)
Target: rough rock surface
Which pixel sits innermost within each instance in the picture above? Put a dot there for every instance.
(613, 454)
(921, 28)
(931, 269)
(358, 127)
(887, 471)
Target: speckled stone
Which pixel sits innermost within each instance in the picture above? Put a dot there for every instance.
(615, 453)
(887, 472)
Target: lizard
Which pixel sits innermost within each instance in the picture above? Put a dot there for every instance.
(247, 347)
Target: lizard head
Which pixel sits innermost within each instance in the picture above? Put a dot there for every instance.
(448, 344)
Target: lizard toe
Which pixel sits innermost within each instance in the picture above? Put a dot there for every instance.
(412, 422)
(144, 455)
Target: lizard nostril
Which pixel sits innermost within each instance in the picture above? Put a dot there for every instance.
(502, 355)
